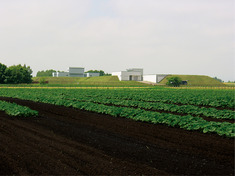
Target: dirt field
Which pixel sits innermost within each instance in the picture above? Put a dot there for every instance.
(68, 141)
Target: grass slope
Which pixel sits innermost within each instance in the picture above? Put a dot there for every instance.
(90, 81)
(196, 80)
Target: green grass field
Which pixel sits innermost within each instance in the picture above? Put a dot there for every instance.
(196, 80)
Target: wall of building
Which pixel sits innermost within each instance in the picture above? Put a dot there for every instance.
(135, 74)
(140, 70)
(92, 74)
(150, 78)
(127, 76)
(76, 72)
(154, 78)
(60, 74)
(118, 74)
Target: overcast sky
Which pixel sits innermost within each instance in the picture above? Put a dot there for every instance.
(162, 36)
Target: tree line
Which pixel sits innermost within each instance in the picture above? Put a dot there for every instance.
(15, 74)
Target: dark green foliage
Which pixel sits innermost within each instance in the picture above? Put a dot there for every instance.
(220, 80)
(15, 110)
(174, 81)
(2, 72)
(18, 74)
(47, 73)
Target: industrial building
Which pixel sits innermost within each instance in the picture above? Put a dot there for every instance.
(133, 74)
(136, 74)
(75, 72)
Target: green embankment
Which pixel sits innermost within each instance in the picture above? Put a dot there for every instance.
(90, 81)
(196, 80)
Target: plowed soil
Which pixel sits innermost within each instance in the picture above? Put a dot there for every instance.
(69, 141)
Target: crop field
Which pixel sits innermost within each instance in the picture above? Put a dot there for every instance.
(153, 131)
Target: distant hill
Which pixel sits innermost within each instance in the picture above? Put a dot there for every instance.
(196, 80)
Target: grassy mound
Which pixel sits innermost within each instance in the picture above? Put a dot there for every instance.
(196, 80)
(90, 81)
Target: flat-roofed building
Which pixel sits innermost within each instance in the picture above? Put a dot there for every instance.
(76, 72)
(132, 74)
(72, 72)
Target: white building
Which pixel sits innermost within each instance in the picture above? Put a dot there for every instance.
(135, 74)
(72, 72)
(75, 72)
(156, 78)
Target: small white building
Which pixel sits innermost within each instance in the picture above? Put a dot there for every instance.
(72, 72)
(133, 74)
(155, 78)
(75, 72)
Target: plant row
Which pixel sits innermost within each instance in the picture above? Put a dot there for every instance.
(13, 109)
(186, 122)
(184, 109)
(213, 98)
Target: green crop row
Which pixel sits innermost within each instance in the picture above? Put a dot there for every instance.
(95, 96)
(184, 109)
(212, 98)
(186, 122)
(63, 97)
(13, 109)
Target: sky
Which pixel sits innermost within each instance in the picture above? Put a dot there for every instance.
(192, 37)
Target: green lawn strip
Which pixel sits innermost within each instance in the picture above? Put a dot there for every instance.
(15, 110)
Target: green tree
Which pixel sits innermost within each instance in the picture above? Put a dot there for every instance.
(18, 74)
(46, 73)
(220, 80)
(2, 72)
(174, 81)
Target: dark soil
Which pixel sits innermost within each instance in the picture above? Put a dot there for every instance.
(69, 141)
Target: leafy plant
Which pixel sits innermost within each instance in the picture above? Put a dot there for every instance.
(13, 109)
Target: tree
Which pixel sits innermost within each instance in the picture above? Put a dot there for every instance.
(220, 80)
(18, 74)
(174, 81)
(45, 73)
(2, 72)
